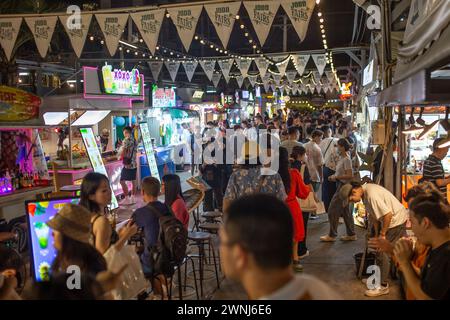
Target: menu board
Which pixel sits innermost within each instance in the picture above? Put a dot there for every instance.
(149, 151)
(41, 237)
(96, 158)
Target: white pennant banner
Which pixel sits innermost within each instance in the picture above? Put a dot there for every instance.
(290, 75)
(149, 25)
(266, 86)
(223, 16)
(186, 19)
(216, 78)
(189, 68)
(261, 14)
(277, 79)
(252, 80)
(282, 67)
(155, 68)
(316, 76)
(318, 87)
(76, 35)
(240, 81)
(321, 62)
(330, 76)
(243, 65)
(225, 66)
(9, 30)
(112, 26)
(300, 62)
(208, 67)
(42, 29)
(272, 87)
(172, 67)
(295, 88)
(299, 12)
(262, 65)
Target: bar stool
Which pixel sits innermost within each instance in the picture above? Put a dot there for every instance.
(211, 228)
(212, 216)
(200, 239)
(182, 287)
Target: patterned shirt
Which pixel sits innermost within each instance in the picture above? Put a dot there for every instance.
(245, 181)
(130, 150)
(433, 170)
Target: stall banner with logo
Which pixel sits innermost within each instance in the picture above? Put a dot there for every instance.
(17, 105)
(149, 25)
(243, 65)
(149, 153)
(172, 67)
(185, 20)
(208, 67)
(77, 36)
(189, 68)
(9, 30)
(225, 65)
(321, 62)
(42, 29)
(261, 14)
(223, 16)
(39, 163)
(299, 12)
(262, 65)
(216, 78)
(300, 62)
(112, 26)
(155, 68)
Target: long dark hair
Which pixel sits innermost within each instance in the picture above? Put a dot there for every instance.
(283, 169)
(172, 188)
(78, 253)
(89, 186)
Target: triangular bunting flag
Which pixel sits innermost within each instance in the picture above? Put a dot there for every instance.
(272, 87)
(300, 62)
(330, 76)
(216, 78)
(42, 29)
(240, 81)
(243, 65)
(112, 26)
(9, 30)
(299, 12)
(189, 68)
(262, 65)
(149, 24)
(172, 67)
(277, 79)
(282, 67)
(77, 34)
(261, 14)
(223, 16)
(225, 65)
(155, 68)
(208, 67)
(316, 76)
(290, 75)
(321, 62)
(186, 19)
(266, 86)
(252, 80)
(318, 87)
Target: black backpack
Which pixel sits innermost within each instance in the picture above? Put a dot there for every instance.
(172, 243)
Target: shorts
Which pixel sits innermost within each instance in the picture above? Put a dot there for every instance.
(128, 174)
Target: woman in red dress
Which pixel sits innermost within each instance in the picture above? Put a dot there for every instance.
(295, 188)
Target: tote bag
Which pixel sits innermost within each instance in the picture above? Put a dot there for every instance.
(308, 204)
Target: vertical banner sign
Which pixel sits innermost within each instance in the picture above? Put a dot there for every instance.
(216, 78)
(155, 68)
(243, 65)
(252, 80)
(77, 36)
(208, 66)
(282, 67)
(225, 65)
(290, 75)
(261, 14)
(240, 81)
(300, 62)
(9, 29)
(277, 79)
(223, 16)
(185, 20)
(262, 65)
(149, 25)
(39, 163)
(172, 67)
(299, 12)
(112, 26)
(149, 153)
(189, 68)
(42, 29)
(321, 62)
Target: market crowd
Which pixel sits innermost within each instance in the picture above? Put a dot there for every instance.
(266, 212)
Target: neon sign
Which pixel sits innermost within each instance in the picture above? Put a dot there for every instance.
(121, 82)
(346, 92)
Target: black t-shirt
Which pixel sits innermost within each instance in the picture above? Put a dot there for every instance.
(435, 275)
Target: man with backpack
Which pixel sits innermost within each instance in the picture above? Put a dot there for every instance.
(165, 238)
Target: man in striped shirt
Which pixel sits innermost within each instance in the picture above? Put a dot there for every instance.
(433, 170)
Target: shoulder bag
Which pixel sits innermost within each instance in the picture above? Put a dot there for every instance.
(308, 204)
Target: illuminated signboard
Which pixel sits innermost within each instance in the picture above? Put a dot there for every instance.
(95, 157)
(198, 94)
(149, 151)
(163, 98)
(346, 92)
(121, 82)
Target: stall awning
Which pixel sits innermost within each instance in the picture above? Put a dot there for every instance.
(178, 113)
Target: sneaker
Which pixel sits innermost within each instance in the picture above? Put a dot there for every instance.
(349, 238)
(305, 255)
(327, 238)
(382, 290)
(297, 266)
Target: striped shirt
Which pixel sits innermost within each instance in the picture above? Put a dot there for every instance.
(432, 171)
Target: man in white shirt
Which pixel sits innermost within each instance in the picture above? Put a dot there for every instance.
(315, 159)
(328, 147)
(292, 140)
(261, 258)
(388, 217)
